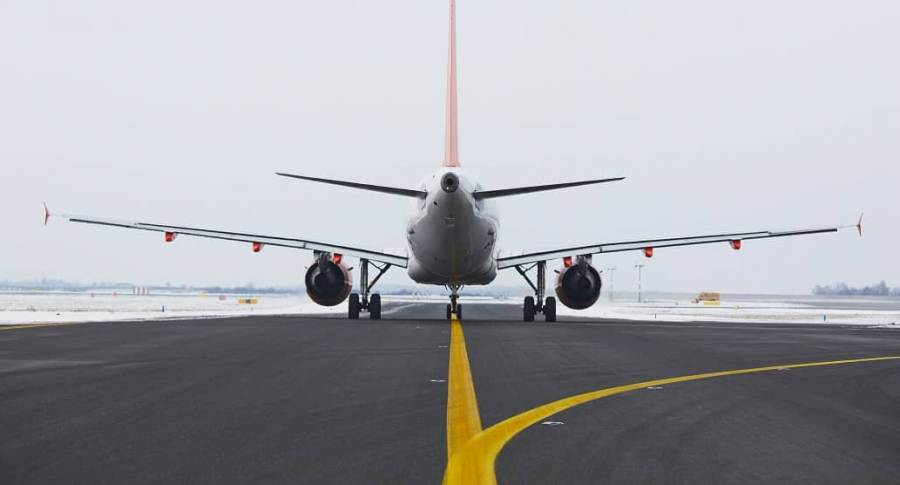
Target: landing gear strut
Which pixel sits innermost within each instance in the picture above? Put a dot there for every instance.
(362, 300)
(453, 307)
(536, 304)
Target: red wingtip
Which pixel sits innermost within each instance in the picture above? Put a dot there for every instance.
(46, 214)
(859, 223)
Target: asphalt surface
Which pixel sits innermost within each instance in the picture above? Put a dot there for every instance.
(327, 400)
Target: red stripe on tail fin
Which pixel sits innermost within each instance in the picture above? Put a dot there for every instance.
(451, 144)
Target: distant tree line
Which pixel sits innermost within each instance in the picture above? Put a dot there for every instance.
(881, 289)
(48, 284)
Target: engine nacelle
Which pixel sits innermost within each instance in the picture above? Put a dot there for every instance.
(578, 285)
(328, 283)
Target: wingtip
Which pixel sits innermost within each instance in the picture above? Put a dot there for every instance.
(859, 223)
(46, 214)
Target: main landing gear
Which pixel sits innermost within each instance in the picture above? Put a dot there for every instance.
(362, 300)
(453, 307)
(537, 304)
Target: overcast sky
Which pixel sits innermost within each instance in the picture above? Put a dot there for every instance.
(724, 116)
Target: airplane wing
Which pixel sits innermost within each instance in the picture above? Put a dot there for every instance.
(257, 240)
(648, 245)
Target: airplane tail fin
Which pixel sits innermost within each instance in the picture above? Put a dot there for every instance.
(451, 138)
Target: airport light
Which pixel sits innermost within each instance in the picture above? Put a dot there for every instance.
(639, 268)
(612, 272)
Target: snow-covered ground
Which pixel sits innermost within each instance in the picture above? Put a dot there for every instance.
(32, 307)
(763, 310)
(37, 307)
(18, 308)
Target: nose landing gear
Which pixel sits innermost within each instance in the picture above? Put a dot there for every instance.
(453, 307)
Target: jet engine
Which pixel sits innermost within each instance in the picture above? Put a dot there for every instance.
(578, 285)
(328, 280)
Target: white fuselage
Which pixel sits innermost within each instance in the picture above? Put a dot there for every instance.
(452, 237)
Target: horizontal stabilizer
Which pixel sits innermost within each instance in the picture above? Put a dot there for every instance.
(355, 185)
(489, 194)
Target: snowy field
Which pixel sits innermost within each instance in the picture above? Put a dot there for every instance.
(40, 307)
(17, 308)
(34, 307)
(761, 309)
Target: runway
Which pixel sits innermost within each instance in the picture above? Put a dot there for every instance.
(328, 400)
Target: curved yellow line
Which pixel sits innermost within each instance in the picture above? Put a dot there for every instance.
(473, 463)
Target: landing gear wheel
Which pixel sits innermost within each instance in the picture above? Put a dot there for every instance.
(550, 309)
(449, 311)
(375, 307)
(459, 312)
(529, 309)
(353, 311)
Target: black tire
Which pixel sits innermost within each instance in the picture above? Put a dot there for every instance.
(375, 307)
(550, 309)
(449, 311)
(529, 309)
(459, 312)
(353, 310)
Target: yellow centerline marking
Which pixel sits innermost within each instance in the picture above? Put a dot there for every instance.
(472, 462)
(463, 420)
(37, 325)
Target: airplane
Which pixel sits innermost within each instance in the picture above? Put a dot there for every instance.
(452, 238)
